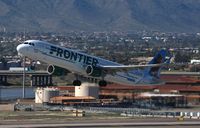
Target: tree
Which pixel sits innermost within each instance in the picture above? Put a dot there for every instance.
(182, 58)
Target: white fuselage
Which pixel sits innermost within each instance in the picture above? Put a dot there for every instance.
(77, 62)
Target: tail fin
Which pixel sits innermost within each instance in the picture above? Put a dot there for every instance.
(159, 58)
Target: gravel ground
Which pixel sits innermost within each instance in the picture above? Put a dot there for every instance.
(36, 117)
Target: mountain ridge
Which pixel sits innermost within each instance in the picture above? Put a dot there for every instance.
(100, 15)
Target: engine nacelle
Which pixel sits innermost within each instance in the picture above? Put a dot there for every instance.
(50, 69)
(93, 71)
(57, 71)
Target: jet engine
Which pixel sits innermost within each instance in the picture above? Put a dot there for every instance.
(93, 71)
(57, 71)
(50, 69)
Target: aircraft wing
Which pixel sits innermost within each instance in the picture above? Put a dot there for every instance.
(118, 68)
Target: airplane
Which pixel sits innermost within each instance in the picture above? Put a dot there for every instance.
(91, 66)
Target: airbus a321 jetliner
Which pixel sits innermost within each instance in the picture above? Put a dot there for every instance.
(91, 66)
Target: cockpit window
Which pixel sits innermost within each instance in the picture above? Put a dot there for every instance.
(29, 43)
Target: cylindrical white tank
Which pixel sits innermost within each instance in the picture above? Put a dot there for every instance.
(38, 95)
(43, 95)
(87, 89)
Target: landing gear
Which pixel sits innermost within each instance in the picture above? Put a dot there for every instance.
(76, 82)
(102, 83)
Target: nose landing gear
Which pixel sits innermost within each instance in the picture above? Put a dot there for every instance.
(102, 83)
(76, 82)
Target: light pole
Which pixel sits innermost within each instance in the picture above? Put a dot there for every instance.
(24, 76)
(0, 94)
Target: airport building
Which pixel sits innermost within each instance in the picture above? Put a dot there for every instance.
(178, 91)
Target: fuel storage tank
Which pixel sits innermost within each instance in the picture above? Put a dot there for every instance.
(87, 89)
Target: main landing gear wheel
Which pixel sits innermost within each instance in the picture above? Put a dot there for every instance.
(76, 82)
(102, 83)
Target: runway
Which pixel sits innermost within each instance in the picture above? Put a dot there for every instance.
(185, 124)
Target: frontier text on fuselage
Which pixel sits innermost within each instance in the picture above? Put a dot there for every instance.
(73, 56)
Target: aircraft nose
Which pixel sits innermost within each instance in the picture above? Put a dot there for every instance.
(20, 48)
